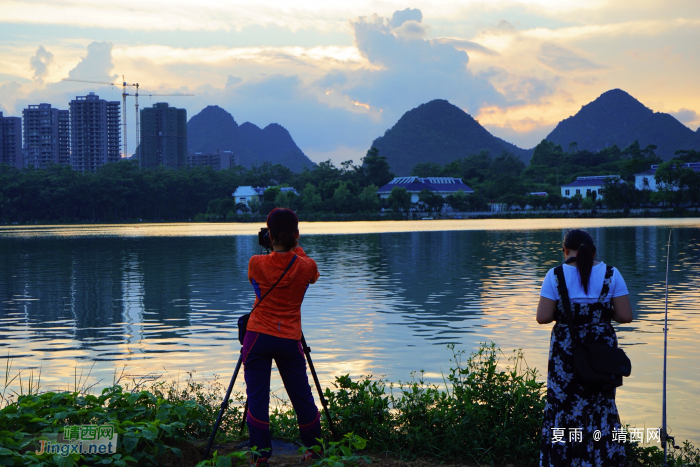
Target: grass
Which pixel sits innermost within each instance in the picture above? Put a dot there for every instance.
(488, 412)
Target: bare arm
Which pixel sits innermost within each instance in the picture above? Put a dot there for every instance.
(545, 310)
(622, 309)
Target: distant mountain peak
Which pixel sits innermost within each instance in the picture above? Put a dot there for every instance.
(215, 129)
(437, 131)
(616, 117)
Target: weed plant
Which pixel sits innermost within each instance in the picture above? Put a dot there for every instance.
(487, 412)
(484, 414)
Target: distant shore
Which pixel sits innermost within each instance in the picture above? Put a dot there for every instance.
(207, 229)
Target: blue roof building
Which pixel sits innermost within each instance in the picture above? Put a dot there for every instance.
(441, 185)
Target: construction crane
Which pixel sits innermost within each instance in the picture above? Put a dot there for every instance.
(124, 85)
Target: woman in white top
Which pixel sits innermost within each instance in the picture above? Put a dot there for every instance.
(578, 420)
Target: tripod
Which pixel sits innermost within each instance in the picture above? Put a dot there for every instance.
(224, 404)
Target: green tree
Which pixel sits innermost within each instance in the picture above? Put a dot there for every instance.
(344, 200)
(427, 169)
(310, 199)
(369, 199)
(399, 199)
(548, 154)
(376, 168)
(254, 204)
(588, 202)
(458, 201)
(617, 194)
(673, 179)
(433, 201)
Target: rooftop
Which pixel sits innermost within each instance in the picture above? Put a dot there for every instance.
(594, 180)
(691, 165)
(437, 184)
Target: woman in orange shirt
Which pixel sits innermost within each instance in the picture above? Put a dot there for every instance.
(274, 332)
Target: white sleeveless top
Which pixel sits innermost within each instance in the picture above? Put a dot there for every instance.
(618, 287)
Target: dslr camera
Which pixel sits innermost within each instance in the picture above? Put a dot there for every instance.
(264, 239)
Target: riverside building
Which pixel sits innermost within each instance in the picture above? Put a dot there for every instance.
(443, 186)
(46, 135)
(94, 129)
(11, 141)
(163, 137)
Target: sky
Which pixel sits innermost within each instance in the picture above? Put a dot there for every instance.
(337, 75)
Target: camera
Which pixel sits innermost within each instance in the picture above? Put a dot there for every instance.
(264, 239)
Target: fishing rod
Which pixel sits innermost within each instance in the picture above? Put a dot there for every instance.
(664, 434)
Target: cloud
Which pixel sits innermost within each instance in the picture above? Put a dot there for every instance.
(409, 71)
(97, 64)
(8, 89)
(467, 46)
(687, 116)
(564, 60)
(232, 81)
(40, 62)
(410, 30)
(400, 17)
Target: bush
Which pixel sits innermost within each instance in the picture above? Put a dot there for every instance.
(484, 414)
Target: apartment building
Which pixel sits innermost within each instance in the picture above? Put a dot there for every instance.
(95, 132)
(46, 135)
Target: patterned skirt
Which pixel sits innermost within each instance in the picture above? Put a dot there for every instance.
(580, 424)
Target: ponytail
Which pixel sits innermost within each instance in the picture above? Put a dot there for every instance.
(584, 264)
(582, 242)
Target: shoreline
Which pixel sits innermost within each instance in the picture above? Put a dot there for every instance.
(199, 229)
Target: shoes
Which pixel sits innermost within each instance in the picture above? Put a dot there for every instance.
(311, 455)
(261, 462)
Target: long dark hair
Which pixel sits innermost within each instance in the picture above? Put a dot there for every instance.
(284, 227)
(582, 242)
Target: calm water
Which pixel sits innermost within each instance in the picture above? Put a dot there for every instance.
(391, 296)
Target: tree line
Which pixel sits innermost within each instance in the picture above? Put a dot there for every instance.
(122, 192)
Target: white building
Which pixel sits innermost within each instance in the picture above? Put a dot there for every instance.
(243, 194)
(647, 180)
(586, 185)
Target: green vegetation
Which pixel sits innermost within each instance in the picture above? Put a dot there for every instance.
(122, 192)
(506, 179)
(487, 413)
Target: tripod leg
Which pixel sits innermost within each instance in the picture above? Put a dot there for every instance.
(307, 351)
(245, 414)
(224, 406)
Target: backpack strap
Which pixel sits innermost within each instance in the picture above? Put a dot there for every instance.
(607, 311)
(567, 316)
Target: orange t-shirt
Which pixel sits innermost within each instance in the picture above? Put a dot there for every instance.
(280, 313)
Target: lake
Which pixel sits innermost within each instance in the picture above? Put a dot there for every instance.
(165, 298)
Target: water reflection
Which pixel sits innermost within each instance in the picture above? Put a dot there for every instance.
(386, 303)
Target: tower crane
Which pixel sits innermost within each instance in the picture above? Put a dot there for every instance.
(124, 85)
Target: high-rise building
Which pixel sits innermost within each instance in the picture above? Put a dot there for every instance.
(163, 136)
(94, 132)
(11, 141)
(217, 160)
(46, 135)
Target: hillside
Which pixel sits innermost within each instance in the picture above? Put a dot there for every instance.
(274, 144)
(618, 118)
(439, 132)
(215, 129)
